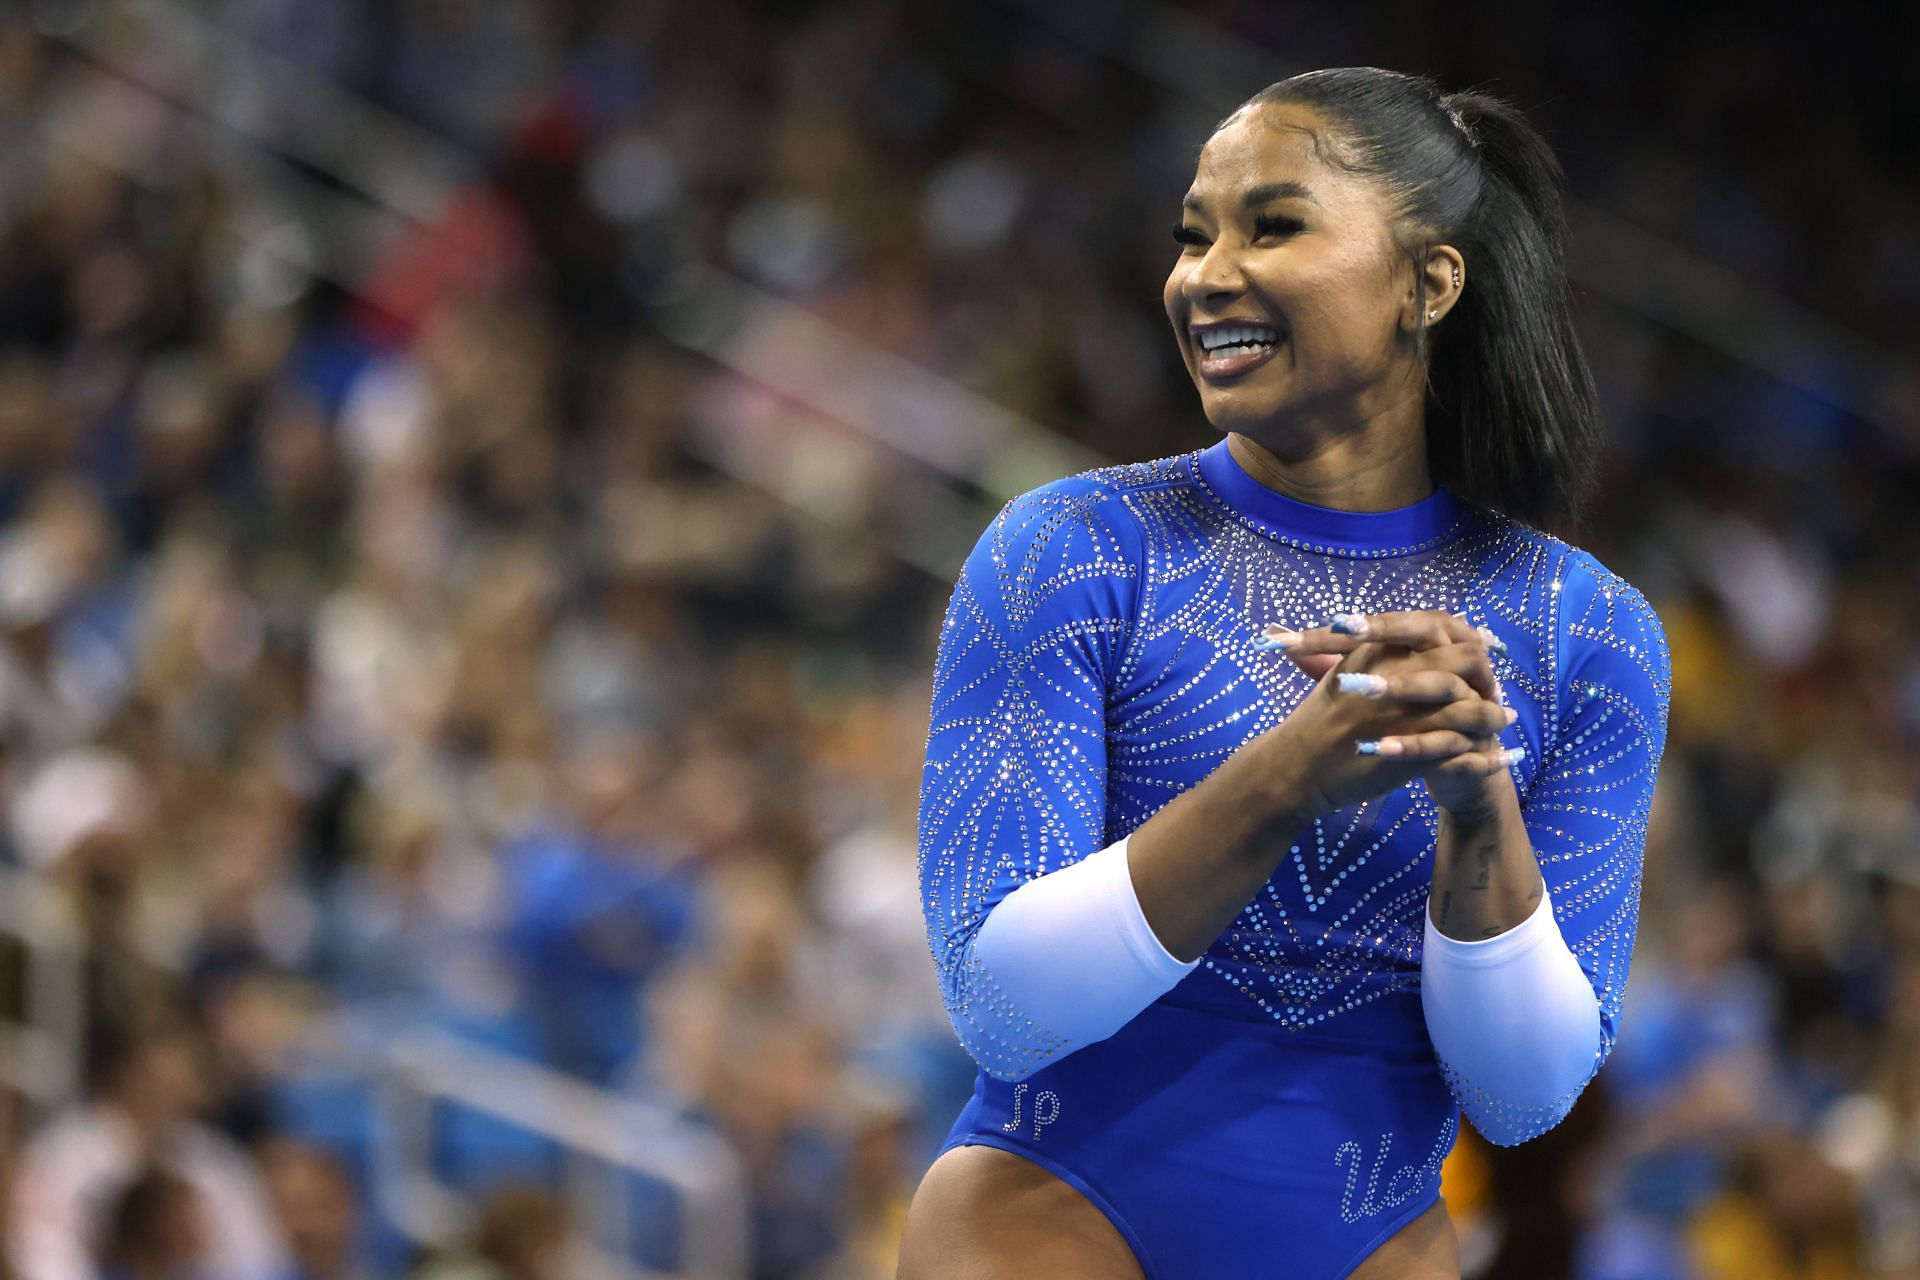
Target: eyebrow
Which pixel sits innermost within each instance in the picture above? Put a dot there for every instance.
(1264, 193)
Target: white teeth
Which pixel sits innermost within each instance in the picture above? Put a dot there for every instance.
(1216, 341)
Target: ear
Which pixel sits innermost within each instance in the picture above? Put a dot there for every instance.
(1439, 269)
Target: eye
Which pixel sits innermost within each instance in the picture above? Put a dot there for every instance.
(1265, 224)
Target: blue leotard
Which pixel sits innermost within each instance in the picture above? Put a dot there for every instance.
(1280, 1111)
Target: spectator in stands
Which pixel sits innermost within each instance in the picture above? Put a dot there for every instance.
(352, 562)
(523, 1234)
(318, 1208)
(141, 1109)
(155, 1231)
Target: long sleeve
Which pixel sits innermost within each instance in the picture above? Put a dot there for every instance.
(1586, 814)
(1014, 788)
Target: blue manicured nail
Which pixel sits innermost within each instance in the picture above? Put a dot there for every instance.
(1367, 746)
(1275, 637)
(1494, 642)
(1349, 624)
(1361, 682)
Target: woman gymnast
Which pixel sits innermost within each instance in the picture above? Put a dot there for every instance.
(1286, 799)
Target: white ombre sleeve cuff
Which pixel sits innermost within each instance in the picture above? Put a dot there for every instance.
(1513, 1017)
(1073, 953)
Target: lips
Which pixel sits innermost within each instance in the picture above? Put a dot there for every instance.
(1215, 368)
(1233, 334)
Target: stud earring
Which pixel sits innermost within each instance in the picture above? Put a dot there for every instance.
(1456, 277)
(1433, 315)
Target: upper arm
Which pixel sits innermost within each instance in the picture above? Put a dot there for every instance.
(1015, 779)
(1586, 811)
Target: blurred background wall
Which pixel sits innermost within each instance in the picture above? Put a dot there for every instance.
(479, 480)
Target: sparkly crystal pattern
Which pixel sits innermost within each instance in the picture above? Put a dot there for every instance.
(1382, 1190)
(1586, 811)
(1097, 659)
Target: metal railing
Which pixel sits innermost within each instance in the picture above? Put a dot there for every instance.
(392, 173)
(607, 1138)
(388, 174)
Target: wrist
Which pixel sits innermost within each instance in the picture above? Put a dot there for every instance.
(1481, 805)
(1280, 783)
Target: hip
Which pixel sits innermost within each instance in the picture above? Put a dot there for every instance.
(1218, 1145)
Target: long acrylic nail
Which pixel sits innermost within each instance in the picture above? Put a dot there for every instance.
(1512, 715)
(1494, 642)
(1349, 624)
(1364, 683)
(1514, 755)
(1275, 636)
(1377, 746)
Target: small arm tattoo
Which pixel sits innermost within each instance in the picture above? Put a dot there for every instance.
(1484, 856)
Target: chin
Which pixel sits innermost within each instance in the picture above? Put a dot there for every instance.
(1228, 411)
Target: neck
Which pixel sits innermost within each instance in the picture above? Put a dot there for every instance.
(1377, 467)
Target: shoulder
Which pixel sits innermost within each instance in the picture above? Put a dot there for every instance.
(1080, 515)
(1617, 652)
(1587, 600)
(1606, 620)
(1596, 627)
(1071, 549)
(1097, 496)
(1611, 642)
(1598, 603)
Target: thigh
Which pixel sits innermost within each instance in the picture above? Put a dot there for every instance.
(1424, 1249)
(986, 1214)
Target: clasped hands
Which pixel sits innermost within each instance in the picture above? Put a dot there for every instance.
(1435, 671)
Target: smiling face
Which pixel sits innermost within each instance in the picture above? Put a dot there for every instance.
(1302, 251)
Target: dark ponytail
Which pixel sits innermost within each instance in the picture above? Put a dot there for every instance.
(1513, 419)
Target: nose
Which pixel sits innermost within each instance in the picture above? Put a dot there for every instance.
(1216, 275)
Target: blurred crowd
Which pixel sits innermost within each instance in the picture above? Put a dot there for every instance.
(400, 636)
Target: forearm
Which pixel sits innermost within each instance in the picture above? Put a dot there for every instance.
(1073, 955)
(1199, 860)
(1513, 1017)
(1486, 878)
(1515, 1024)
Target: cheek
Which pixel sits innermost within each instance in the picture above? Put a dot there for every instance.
(1340, 317)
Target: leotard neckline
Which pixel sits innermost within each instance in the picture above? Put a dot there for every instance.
(1296, 521)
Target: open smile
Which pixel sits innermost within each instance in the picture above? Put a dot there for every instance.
(1231, 349)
